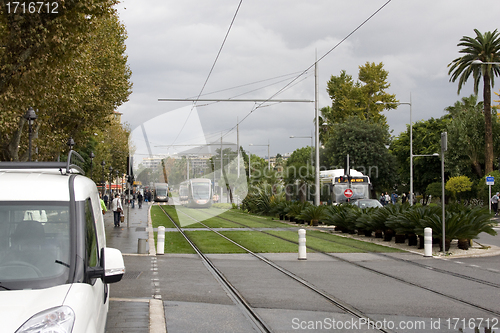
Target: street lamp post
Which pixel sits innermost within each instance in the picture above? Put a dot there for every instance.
(103, 163)
(30, 116)
(91, 160)
(312, 145)
(411, 145)
(110, 178)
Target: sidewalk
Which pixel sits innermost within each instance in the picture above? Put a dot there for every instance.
(131, 301)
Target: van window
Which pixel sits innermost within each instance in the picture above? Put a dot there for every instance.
(91, 246)
(34, 244)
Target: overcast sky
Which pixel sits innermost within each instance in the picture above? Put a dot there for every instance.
(172, 46)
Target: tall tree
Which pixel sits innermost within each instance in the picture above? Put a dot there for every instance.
(365, 142)
(486, 48)
(75, 95)
(358, 98)
(466, 137)
(426, 141)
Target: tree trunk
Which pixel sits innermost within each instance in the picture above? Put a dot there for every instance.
(488, 134)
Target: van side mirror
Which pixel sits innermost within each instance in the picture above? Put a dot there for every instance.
(114, 267)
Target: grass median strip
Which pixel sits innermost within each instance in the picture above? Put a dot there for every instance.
(255, 241)
(334, 244)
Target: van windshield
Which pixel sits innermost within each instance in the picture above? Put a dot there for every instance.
(34, 244)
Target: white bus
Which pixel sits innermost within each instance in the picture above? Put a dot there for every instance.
(338, 182)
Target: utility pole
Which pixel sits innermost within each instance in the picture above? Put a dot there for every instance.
(316, 109)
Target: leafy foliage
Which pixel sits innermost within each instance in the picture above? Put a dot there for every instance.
(457, 185)
(359, 98)
(71, 67)
(426, 141)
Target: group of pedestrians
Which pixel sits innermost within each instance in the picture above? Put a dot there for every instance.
(116, 205)
(393, 198)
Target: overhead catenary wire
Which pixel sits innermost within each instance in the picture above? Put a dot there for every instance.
(211, 69)
(310, 67)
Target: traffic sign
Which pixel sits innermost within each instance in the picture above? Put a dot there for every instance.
(348, 193)
(490, 180)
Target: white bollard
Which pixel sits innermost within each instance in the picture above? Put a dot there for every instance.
(302, 244)
(428, 242)
(160, 244)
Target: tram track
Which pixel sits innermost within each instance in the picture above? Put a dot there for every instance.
(378, 272)
(343, 306)
(435, 269)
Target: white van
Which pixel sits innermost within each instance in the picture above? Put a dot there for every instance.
(54, 264)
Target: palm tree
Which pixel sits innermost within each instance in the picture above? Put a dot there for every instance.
(486, 48)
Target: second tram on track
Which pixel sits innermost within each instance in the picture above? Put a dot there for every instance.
(160, 192)
(196, 193)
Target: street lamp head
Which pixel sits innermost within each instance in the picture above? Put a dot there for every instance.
(30, 115)
(103, 163)
(92, 155)
(479, 62)
(379, 103)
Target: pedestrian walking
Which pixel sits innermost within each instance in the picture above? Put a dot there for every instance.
(394, 198)
(116, 206)
(139, 199)
(387, 198)
(103, 204)
(494, 203)
(105, 198)
(382, 199)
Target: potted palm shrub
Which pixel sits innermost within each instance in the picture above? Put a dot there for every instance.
(343, 217)
(313, 214)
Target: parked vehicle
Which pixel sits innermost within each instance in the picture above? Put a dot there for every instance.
(54, 264)
(366, 203)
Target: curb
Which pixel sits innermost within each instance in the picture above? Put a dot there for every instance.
(157, 322)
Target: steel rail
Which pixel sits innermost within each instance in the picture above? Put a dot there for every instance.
(257, 322)
(340, 304)
(496, 313)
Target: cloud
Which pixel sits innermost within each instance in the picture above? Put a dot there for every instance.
(172, 46)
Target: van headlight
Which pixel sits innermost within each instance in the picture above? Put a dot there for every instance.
(55, 320)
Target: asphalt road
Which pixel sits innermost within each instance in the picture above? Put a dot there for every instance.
(193, 301)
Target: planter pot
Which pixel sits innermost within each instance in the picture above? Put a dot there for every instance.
(282, 217)
(361, 232)
(412, 240)
(314, 223)
(420, 242)
(368, 233)
(463, 244)
(399, 238)
(378, 234)
(352, 232)
(388, 235)
(447, 244)
(292, 218)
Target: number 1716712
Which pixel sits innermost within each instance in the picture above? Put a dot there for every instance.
(39, 7)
